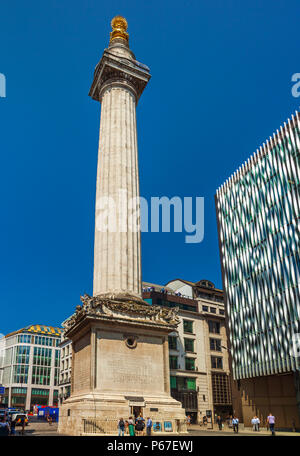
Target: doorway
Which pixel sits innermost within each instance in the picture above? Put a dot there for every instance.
(136, 410)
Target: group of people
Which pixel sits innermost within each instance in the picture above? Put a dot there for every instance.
(8, 425)
(135, 426)
(255, 423)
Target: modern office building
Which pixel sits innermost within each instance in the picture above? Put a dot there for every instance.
(199, 366)
(29, 366)
(258, 214)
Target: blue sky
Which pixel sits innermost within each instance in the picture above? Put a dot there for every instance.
(221, 84)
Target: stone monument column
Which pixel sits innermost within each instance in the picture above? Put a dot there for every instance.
(120, 355)
(118, 83)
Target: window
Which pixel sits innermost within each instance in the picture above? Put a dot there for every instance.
(185, 383)
(213, 310)
(24, 339)
(221, 312)
(214, 327)
(42, 356)
(215, 344)
(205, 308)
(173, 382)
(188, 326)
(172, 342)
(216, 362)
(189, 345)
(20, 373)
(221, 389)
(173, 362)
(40, 375)
(22, 354)
(190, 364)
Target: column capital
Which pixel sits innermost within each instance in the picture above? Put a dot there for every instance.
(114, 70)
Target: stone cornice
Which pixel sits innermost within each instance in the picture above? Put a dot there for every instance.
(113, 70)
(122, 311)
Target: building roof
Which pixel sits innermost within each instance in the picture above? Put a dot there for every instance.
(39, 329)
(204, 283)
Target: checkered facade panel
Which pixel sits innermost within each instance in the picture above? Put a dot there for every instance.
(258, 212)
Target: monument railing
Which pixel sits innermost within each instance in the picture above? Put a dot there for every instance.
(110, 426)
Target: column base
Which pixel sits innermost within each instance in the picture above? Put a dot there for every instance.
(98, 414)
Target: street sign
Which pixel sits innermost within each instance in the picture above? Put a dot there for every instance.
(2, 390)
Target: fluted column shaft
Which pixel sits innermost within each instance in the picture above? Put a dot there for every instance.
(117, 255)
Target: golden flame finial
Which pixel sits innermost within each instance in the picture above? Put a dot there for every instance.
(119, 26)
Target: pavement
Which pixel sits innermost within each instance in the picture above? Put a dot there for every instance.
(196, 429)
(41, 428)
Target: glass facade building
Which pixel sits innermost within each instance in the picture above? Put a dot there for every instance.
(258, 215)
(29, 366)
(258, 211)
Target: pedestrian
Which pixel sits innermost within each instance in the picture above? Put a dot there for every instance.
(188, 420)
(126, 427)
(4, 428)
(131, 426)
(121, 427)
(139, 425)
(22, 421)
(255, 423)
(13, 425)
(235, 424)
(49, 419)
(148, 426)
(219, 422)
(271, 423)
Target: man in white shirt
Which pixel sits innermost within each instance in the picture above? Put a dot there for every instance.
(235, 424)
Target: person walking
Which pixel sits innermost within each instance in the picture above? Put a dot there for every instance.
(13, 425)
(22, 421)
(271, 423)
(148, 426)
(121, 427)
(131, 426)
(235, 424)
(188, 420)
(4, 428)
(219, 422)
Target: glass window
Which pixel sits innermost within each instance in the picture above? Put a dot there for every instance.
(213, 310)
(188, 326)
(20, 373)
(172, 342)
(214, 327)
(173, 362)
(215, 344)
(189, 345)
(22, 354)
(205, 308)
(190, 364)
(173, 382)
(216, 362)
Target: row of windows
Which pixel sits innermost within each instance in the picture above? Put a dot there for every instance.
(38, 340)
(216, 363)
(212, 310)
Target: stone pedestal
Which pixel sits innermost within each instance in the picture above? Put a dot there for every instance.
(120, 366)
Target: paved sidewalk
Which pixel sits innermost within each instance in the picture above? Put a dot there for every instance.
(247, 430)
